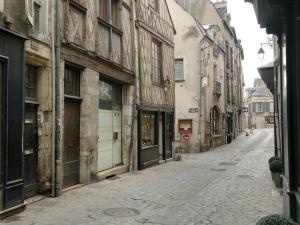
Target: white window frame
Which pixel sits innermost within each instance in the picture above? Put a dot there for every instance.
(182, 69)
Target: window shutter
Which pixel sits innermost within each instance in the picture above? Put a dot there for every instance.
(254, 107)
(29, 10)
(179, 69)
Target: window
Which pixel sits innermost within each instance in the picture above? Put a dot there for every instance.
(179, 69)
(102, 11)
(259, 107)
(154, 4)
(31, 82)
(36, 16)
(227, 55)
(72, 81)
(148, 129)
(271, 107)
(156, 62)
(214, 117)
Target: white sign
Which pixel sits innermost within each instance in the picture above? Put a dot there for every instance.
(193, 110)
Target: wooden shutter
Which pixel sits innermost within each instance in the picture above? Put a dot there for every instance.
(29, 10)
(254, 107)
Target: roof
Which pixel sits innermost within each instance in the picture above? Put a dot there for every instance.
(259, 91)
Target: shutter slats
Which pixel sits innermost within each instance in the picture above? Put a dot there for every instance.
(29, 9)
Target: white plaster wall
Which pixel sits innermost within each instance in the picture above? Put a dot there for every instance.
(187, 46)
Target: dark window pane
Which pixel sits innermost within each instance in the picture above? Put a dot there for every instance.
(72, 81)
(30, 82)
(36, 17)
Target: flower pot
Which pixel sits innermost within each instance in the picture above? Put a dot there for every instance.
(276, 177)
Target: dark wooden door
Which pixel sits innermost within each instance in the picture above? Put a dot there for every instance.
(168, 135)
(30, 151)
(71, 143)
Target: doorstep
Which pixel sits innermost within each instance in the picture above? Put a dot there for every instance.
(111, 172)
(34, 199)
(12, 211)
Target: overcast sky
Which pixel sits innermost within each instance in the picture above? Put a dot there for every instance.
(247, 29)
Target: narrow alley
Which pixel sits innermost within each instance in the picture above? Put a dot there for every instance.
(230, 185)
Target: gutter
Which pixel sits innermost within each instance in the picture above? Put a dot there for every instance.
(134, 101)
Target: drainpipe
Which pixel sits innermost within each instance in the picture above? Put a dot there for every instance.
(133, 142)
(53, 97)
(110, 29)
(57, 155)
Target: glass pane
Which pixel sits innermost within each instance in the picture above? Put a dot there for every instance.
(148, 129)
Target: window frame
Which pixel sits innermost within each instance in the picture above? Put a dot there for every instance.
(155, 62)
(31, 71)
(215, 120)
(182, 69)
(74, 72)
(37, 21)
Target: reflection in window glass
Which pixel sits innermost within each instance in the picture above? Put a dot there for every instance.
(148, 129)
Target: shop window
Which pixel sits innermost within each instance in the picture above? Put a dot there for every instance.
(72, 81)
(30, 82)
(215, 121)
(156, 62)
(148, 126)
(179, 70)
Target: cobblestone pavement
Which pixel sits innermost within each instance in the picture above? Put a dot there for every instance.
(230, 185)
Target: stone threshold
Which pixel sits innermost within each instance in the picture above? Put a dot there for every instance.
(111, 172)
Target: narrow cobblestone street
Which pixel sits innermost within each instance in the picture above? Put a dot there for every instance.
(230, 185)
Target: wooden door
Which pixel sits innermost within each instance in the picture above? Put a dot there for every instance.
(30, 151)
(71, 143)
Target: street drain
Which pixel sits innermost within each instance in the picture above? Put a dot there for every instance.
(218, 169)
(227, 163)
(112, 177)
(121, 212)
(245, 176)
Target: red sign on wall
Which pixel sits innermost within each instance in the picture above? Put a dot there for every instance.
(186, 137)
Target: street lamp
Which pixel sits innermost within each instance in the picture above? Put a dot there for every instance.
(261, 52)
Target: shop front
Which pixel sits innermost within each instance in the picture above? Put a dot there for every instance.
(155, 136)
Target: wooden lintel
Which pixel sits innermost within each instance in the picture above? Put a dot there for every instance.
(108, 69)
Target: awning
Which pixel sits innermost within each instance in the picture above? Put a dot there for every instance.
(267, 75)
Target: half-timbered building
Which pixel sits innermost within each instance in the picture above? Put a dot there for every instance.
(96, 73)
(156, 94)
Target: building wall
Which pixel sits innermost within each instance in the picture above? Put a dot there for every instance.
(158, 26)
(187, 47)
(38, 52)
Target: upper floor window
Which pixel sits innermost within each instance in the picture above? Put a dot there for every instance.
(259, 107)
(103, 11)
(154, 4)
(36, 16)
(156, 62)
(179, 69)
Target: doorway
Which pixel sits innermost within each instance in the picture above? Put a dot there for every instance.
(30, 143)
(71, 150)
(169, 133)
(109, 126)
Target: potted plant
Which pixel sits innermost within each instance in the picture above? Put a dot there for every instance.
(275, 219)
(276, 171)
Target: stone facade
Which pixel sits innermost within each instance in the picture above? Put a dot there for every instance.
(219, 94)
